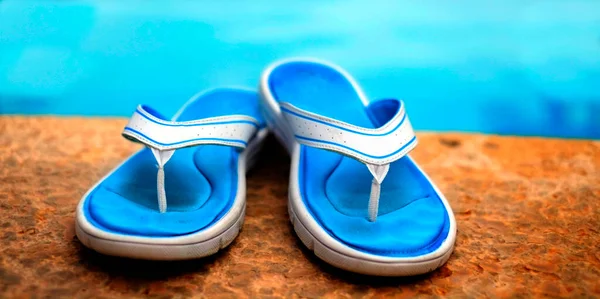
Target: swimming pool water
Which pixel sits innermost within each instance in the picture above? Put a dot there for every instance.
(506, 67)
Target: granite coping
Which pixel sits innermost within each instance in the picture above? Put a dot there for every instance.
(528, 214)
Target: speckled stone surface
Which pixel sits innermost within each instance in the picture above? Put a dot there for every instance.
(528, 213)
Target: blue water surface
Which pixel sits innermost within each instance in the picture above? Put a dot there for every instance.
(507, 67)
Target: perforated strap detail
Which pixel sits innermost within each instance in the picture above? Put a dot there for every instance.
(233, 130)
(163, 137)
(376, 148)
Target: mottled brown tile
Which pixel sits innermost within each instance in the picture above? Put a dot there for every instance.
(528, 213)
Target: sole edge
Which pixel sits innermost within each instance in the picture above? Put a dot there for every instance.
(362, 266)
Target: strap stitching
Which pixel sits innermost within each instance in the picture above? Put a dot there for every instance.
(136, 134)
(201, 122)
(365, 158)
(342, 125)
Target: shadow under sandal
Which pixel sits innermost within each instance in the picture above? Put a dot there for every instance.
(355, 198)
(184, 195)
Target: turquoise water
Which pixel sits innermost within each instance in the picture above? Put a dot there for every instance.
(507, 67)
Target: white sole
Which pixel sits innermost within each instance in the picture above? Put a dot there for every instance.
(316, 238)
(363, 266)
(196, 245)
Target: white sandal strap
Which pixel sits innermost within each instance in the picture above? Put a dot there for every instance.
(379, 146)
(146, 128)
(376, 148)
(163, 137)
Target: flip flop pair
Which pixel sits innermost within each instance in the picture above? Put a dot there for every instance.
(355, 196)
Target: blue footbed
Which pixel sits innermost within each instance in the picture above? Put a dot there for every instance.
(200, 181)
(412, 219)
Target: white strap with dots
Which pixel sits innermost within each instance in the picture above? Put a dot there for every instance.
(163, 137)
(376, 148)
(231, 130)
(379, 146)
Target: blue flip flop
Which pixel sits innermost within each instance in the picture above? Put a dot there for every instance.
(184, 195)
(355, 196)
